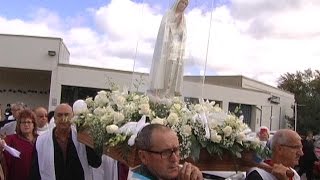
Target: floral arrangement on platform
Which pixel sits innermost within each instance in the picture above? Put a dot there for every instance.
(115, 117)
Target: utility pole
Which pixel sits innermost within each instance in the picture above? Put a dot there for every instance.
(295, 116)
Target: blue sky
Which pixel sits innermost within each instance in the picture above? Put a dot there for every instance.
(260, 39)
(21, 8)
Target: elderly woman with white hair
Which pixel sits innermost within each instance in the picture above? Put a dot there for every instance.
(166, 74)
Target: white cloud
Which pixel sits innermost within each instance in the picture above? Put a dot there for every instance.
(260, 39)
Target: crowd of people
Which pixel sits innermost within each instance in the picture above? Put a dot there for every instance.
(49, 149)
(35, 148)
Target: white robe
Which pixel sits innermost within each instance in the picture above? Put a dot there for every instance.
(45, 150)
(268, 176)
(107, 170)
(45, 128)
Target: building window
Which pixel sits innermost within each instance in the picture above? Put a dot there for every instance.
(244, 110)
(69, 94)
(191, 100)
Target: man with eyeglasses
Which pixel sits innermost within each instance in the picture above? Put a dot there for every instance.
(59, 155)
(158, 149)
(286, 151)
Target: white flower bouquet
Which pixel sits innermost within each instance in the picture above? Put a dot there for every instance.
(115, 117)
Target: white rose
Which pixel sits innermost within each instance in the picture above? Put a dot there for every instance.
(101, 99)
(173, 119)
(198, 108)
(79, 107)
(130, 107)
(240, 137)
(119, 100)
(99, 111)
(144, 100)
(214, 137)
(111, 129)
(212, 124)
(102, 93)
(177, 106)
(232, 118)
(227, 131)
(212, 103)
(106, 118)
(118, 117)
(157, 121)
(136, 98)
(186, 130)
(109, 109)
(144, 109)
(216, 108)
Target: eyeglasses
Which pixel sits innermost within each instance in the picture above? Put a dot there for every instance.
(292, 146)
(26, 122)
(167, 153)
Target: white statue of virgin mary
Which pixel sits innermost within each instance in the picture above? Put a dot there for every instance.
(166, 74)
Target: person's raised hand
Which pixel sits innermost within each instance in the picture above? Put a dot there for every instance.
(189, 172)
(280, 171)
(2, 144)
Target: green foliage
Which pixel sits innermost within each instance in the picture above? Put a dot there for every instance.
(196, 147)
(306, 88)
(160, 110)
(215, 149)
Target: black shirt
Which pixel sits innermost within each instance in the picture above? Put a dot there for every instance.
(70, 168)
(254, 175)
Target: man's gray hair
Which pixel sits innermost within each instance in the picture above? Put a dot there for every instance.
(143, 140)
(279, 138)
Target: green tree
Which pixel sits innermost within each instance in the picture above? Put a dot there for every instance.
(306, 88)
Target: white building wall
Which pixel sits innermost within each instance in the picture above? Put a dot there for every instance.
(64, 55)
(28, 52)
(21, 83)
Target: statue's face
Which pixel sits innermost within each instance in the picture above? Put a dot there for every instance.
(182, 5)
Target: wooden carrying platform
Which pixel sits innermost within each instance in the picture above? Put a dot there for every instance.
(129, 156)
(125, 154)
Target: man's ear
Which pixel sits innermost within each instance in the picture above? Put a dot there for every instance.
(143, 157)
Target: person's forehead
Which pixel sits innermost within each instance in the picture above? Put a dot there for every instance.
(26, 119)
(41, 111)
(294, 138)
(164, 139)
(63, 108)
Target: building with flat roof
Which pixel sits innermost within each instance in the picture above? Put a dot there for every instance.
(36, 70)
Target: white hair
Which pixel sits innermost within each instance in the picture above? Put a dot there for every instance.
(281, 137)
